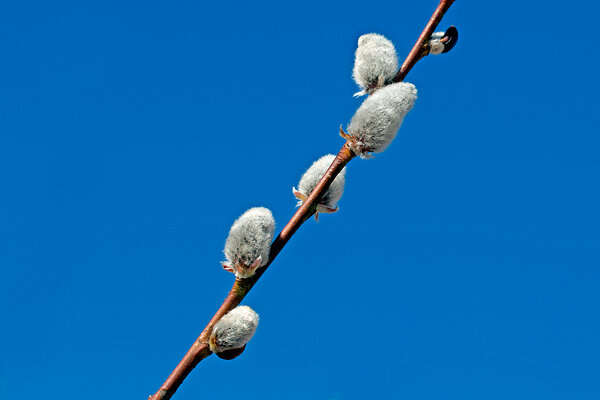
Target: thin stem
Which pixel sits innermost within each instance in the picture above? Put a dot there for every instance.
(420, 49)
(200, 349)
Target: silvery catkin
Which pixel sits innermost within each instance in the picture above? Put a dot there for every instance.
(377, 120)
(375, 62)
(311, 178)
(234, 330)
(436, 47)
(249, 241)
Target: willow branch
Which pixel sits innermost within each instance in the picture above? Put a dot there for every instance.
(200, 349)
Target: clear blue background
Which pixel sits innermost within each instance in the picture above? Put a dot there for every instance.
(463, 263)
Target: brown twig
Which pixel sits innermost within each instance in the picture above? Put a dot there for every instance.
(420, 48)
(200, 349)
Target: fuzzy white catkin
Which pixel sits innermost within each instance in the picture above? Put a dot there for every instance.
(234, 330)
(435, 45)
(377, 120)
(313, 175)
(250, 238)
(375, 62)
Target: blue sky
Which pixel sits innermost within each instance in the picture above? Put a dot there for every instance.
(463, 263)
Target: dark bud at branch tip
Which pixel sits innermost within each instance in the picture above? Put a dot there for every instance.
(231, 354)
(450, 38)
